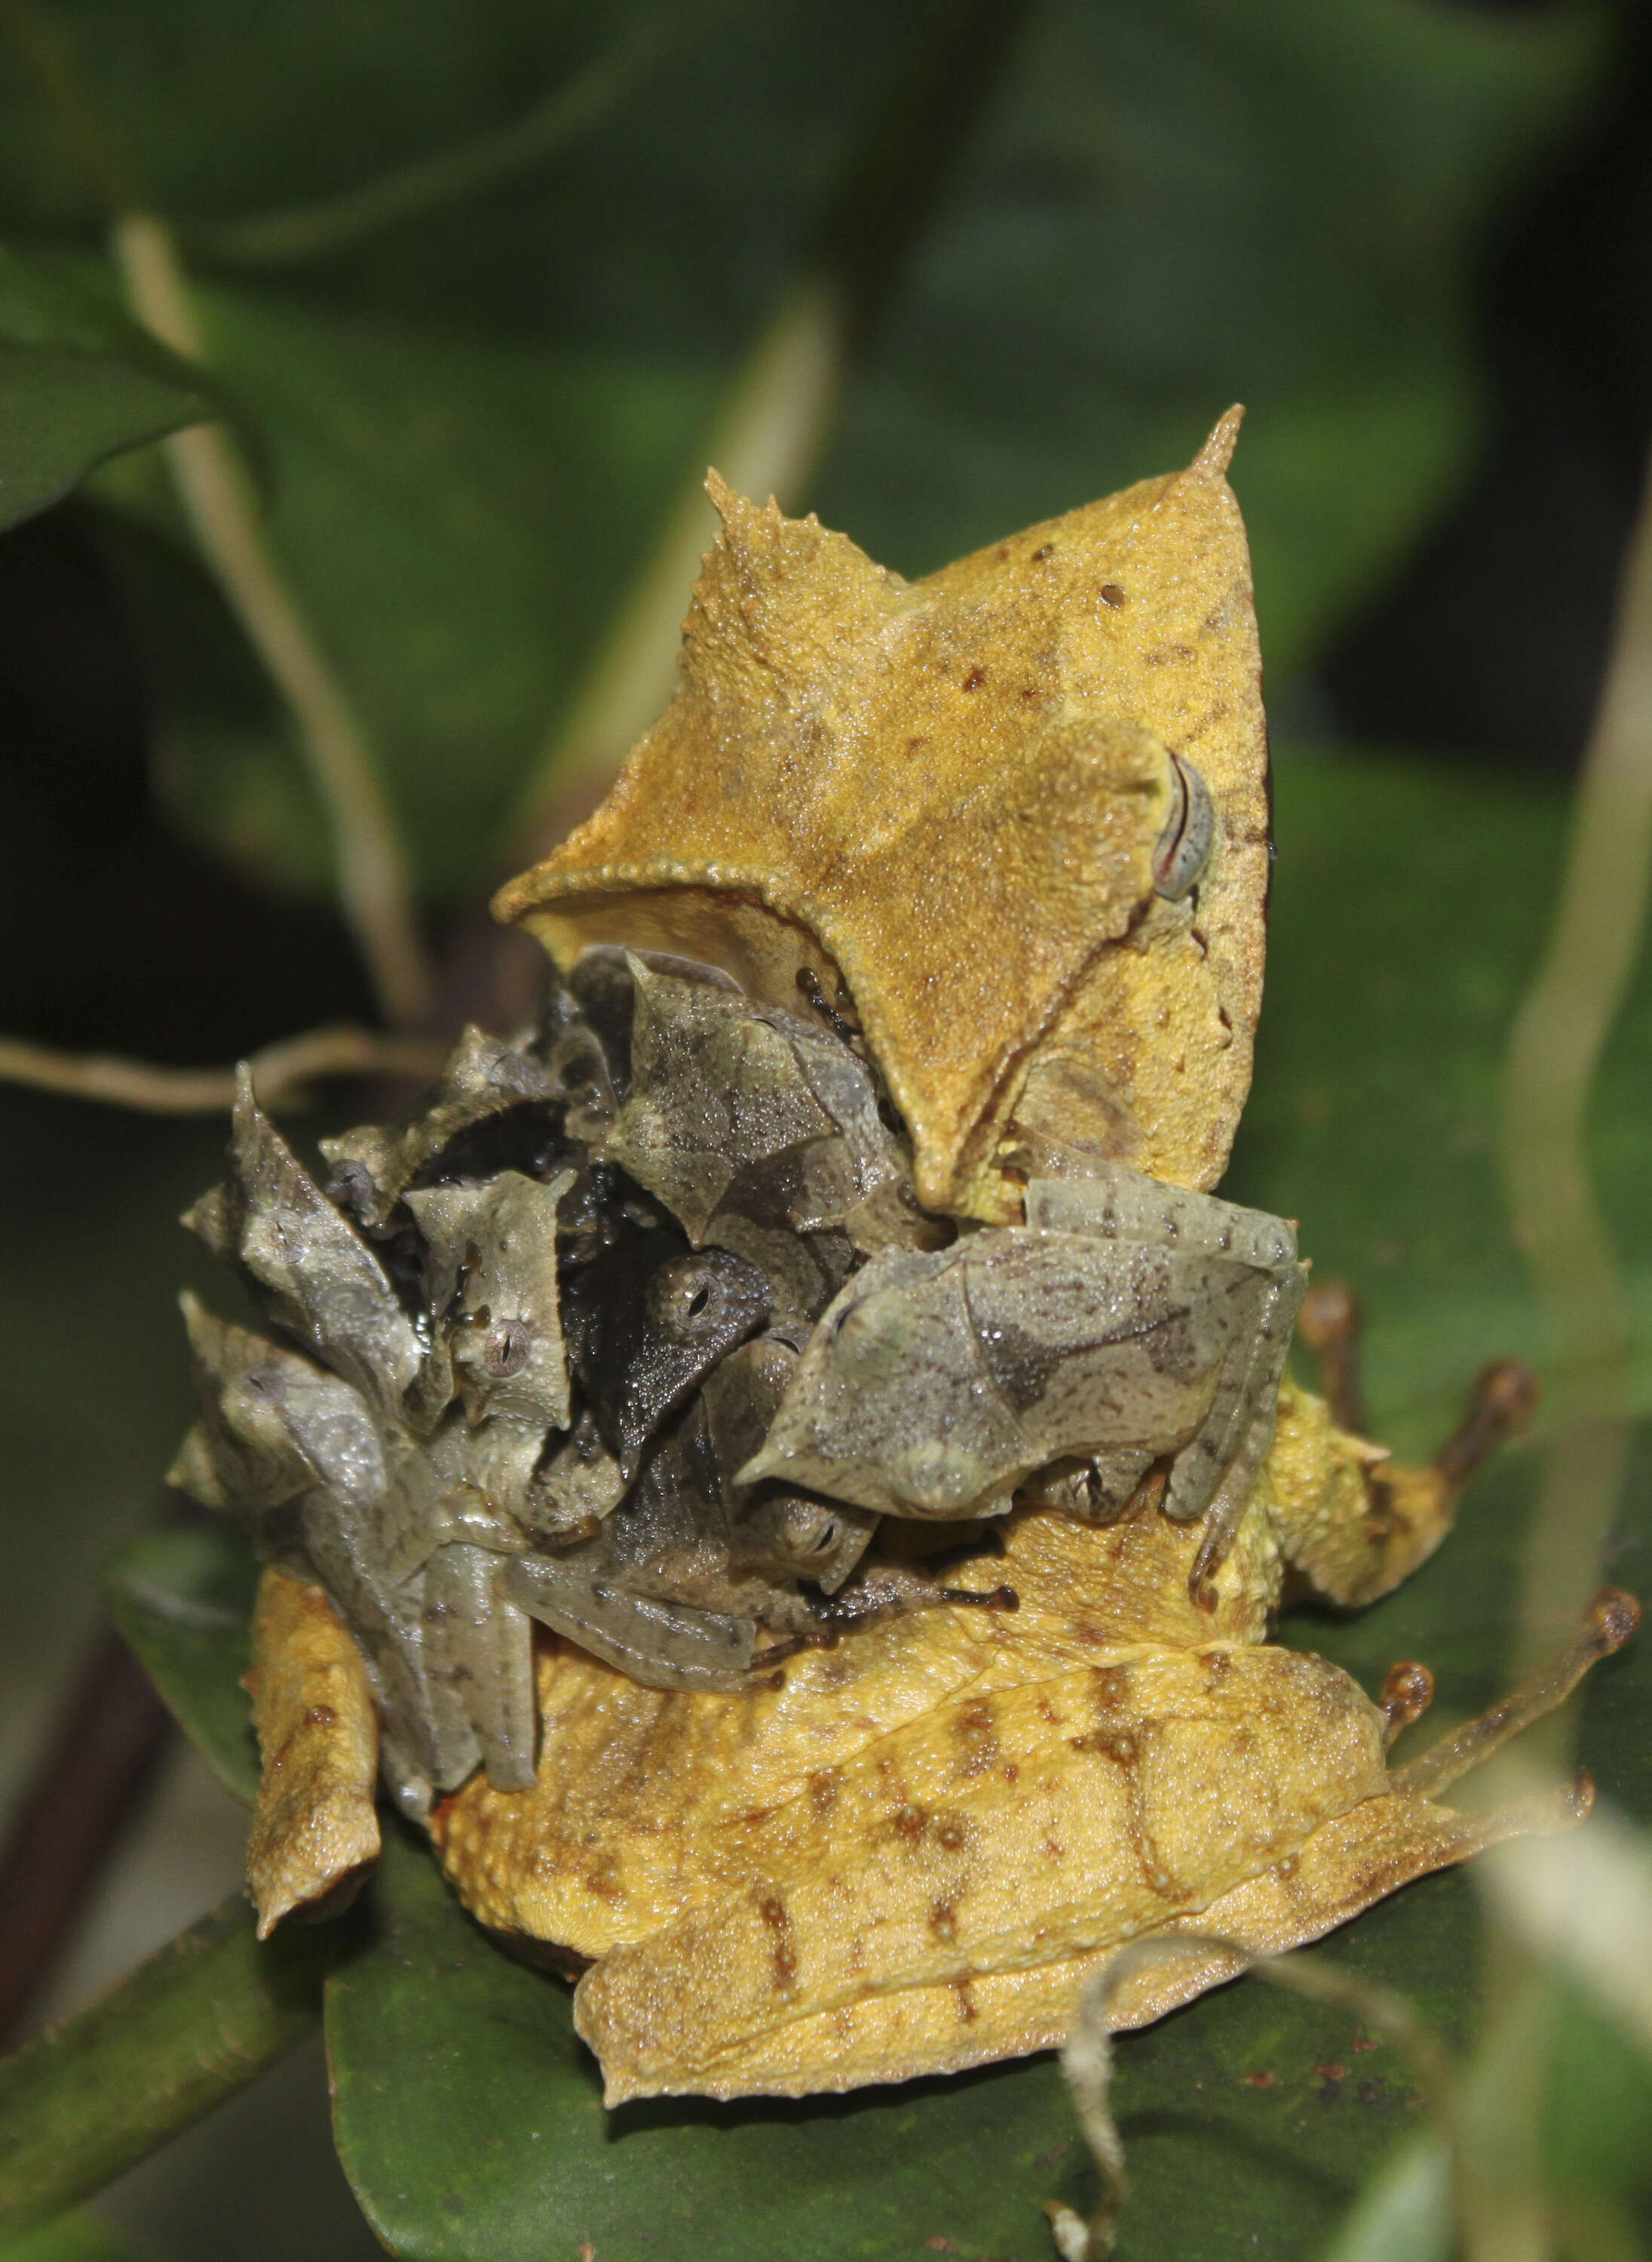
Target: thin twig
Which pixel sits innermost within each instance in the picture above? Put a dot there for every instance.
(100, 163)
(1088, 2063)
(334, 224)
(1555, 1048)
(89, 1781)
(373, 881)
(1557, 1222)
(765, 441)
(282, 1073)
(771, 429)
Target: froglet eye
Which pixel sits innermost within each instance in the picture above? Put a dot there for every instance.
(1185, 845)
(690, 1297)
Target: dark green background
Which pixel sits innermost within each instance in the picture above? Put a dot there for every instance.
(1416, 237)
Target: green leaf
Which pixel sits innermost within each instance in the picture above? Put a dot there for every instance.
(101, 2091)
(182, 1597)
(475, 420)
(78, 382)
(504, 2128)
(1182, 205)
(72, 2239)
(459, 516)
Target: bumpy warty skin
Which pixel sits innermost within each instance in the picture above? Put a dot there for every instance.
(636, 1327)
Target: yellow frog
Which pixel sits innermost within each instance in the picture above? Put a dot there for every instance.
(1005, 832)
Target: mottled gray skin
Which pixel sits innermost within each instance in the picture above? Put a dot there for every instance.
(637, 1329)
(1125, 1323)
(696, 1577)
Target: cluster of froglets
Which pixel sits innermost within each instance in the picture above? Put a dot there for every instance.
(636, 1327)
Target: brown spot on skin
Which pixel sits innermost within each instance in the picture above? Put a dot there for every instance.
(1259, 2080)
(1044, 552)
(976, 1732)
(1368, 2042)
(912, 745)
(1047, 1712)
(1011, 1773)
(938, 2242)
(975, 679)
(1333, 2070)
(778, 1917)
(586, 2251)
(910, 1822)
(951, 1832)
(967, 2013)
(1218, 1665)
(943, 1920)
(1055, 1851)
(823, 1790)
(1003, 551)
(602, 1878)
(1111, 595)
(321, 1715)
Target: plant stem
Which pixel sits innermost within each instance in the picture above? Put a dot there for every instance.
(1559, 1036)
(281, 1073)
(374, 887)
(766, 439)
(99, 2093)
(110, 1738)
(334, 224)
(772, 428)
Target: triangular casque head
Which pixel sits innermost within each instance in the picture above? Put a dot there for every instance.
(946, 799)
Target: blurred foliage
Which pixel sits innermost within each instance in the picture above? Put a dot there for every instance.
(72, 2239)
(475, 418)
(184, 1600)
(78, 382)
(467, 426)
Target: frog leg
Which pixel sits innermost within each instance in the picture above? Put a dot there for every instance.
(315, 1829)
(1252, 1399)
(1331, 1323)
(1354, 1521)
(877, 1938)
(893, 1591)
(1385, 1842)
(481, 1669)
(662, 1644)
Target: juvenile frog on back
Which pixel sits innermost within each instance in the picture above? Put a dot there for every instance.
(639, 1330)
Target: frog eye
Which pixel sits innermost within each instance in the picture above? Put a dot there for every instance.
(505, 1352)
(808, 1528)
(690, 1297)
(1189, 835)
